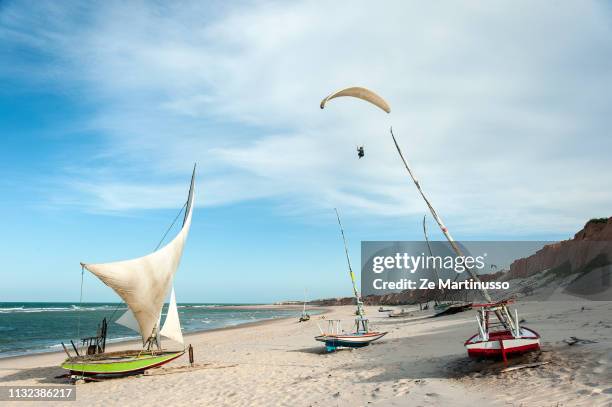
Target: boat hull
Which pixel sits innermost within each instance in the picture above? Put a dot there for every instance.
(401, 315)
(332, 342)
(449, 309)
(503, 344)
(118, 363)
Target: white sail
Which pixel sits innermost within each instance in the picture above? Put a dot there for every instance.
(128, 320)
(172, 324)
(143, 283)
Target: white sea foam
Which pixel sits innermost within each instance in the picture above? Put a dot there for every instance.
(71, 308)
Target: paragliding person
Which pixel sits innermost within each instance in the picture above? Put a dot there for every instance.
(360, 152)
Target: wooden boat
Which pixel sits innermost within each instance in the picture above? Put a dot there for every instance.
(143, 284)
(381, 309)
(304, 317)
(333, 342)
(335, 338)
(500, 339)
(402, 314)
(450, 308)
(118, 363)
(522, 339)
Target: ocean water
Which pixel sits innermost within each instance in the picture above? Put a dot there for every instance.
(41, 327)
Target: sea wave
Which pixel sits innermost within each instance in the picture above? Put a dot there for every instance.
(71, 308)
(201, 306)
(11, 309)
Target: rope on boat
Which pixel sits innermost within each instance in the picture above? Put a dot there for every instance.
(80, 303)
(156, 247)
(171, 225)
(79, 312)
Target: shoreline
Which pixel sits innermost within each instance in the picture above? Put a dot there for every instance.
(421, 361)
(115, 344)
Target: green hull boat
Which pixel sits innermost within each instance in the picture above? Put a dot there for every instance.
(118, 363)
(143, 283)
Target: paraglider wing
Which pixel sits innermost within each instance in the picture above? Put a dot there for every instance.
(361, 93)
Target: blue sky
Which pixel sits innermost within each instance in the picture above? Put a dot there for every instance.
(502, 108)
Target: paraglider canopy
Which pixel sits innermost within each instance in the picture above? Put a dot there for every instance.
(360, 93)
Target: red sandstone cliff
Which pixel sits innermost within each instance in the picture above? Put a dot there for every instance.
(593, 240)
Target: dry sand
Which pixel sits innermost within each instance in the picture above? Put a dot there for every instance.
(421, 362)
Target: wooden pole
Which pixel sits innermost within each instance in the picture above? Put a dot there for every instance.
(190, 351)
(444, 229)
(75, 348)
(348, 260)
(66, 350)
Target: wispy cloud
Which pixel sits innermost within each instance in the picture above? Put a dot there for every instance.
(503, 108)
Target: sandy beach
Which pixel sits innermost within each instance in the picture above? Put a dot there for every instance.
(421, 362)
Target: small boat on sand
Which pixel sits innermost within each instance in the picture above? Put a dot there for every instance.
(119, 363)
(305, 316)
(402, 314)
(501, 338)
(335, 337)
(143, 284)
(449, 308)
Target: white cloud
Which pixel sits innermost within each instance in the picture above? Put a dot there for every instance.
(503, 108)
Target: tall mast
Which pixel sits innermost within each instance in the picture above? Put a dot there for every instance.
(429, 248)
(348, 260)
(444, 229)
(190, 195)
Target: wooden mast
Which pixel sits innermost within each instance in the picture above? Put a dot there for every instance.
(430, 253)
(348, 260)
(500, 315)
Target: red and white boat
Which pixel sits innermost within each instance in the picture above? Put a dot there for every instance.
(501, 337)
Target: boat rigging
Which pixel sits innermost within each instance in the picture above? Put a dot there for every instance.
(143, 284)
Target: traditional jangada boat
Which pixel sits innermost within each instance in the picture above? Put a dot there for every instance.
(494, 339)
(505, 332)
(305, 316)
(335, 338)
(143, 284)
(522, 339)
